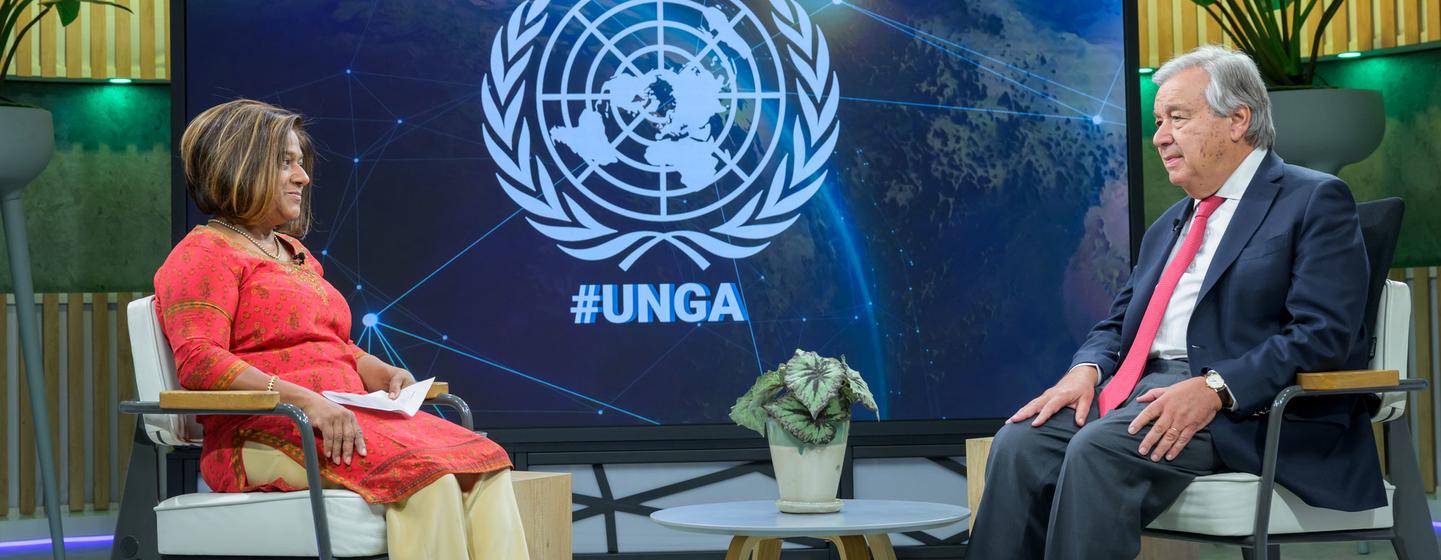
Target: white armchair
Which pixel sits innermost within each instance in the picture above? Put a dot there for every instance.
(313, 522)
(1223, 508)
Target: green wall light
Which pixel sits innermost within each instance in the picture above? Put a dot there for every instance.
(119, 80)
(1349, 54)
(1144, 70)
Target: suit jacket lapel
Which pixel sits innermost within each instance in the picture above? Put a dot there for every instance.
(1249, 213)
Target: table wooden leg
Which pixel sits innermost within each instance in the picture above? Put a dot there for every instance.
(769, 549)
(880, 545)
(741, 547)
(756, 548)
(851, 547)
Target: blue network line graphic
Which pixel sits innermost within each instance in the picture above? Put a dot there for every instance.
(604, 405)
(367, 155)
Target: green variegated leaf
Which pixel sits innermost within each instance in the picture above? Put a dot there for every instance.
(791, 414)
(814, 380)
(857, 390)
(749, 410)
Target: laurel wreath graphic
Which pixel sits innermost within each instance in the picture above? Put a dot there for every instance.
(527, 181)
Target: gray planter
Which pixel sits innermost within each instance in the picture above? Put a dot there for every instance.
(27, 140)
(1326, 129)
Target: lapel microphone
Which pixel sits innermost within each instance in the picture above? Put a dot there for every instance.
(1176, 225)
(299, 258)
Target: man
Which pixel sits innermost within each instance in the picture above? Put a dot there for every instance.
(1257, 274)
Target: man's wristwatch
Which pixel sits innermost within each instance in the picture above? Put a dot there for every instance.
(1215, 383)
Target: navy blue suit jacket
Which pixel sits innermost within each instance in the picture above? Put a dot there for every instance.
(1285, 293)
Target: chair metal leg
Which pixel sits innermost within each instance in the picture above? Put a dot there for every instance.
(1415, 536)
(312, 477)
(135, 533)
(1271, 552)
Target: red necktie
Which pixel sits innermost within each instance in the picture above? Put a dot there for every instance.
(1129, 373)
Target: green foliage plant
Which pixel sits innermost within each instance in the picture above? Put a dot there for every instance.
(808, 396)
(10, 36)
(1270, 31)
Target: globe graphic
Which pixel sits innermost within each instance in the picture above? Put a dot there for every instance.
(658, 110)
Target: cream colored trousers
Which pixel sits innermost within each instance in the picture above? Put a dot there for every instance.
(437, 522)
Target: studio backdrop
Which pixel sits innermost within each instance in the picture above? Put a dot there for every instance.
(618, 213)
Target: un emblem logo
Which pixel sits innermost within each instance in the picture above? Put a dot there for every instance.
(626, 125)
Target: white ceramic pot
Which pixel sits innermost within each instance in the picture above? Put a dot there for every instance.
(27, 140)
(808, 475)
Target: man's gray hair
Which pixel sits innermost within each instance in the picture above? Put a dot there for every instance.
(1235, 81)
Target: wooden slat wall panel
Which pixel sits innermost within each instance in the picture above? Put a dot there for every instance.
(1410, 14)
(1165, 29)
(49, 45)
(1364, 29)
(81, 400)
(1170, 27)
(147, 38)
(100, 378)
(1144, 36)
(1424, 412)
(98, 35)
(98, 44)
(50, 356)
(1213, 30)
(24, 53)
(162, 52)
(123, 66)
(1386, 18)
(1188, 26)
(74, 51)
(75, 399)
(1339, 35)
(1433, 20)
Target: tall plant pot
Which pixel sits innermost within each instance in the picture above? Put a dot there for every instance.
(808, 475)
(27, 140)
(1326, 129)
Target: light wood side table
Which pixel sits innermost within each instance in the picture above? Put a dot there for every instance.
(545, 502)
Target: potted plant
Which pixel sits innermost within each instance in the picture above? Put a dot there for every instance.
(804, 410)
(1270, 32)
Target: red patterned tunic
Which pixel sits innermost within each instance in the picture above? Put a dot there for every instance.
(224, 309)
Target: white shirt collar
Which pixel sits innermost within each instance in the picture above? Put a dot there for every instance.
(1235, 186)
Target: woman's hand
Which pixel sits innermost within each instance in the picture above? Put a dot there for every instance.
(339, 430)
(399, 379)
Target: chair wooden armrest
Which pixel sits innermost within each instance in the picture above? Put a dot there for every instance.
(437, 389)
(1357, 379)
(220, 400)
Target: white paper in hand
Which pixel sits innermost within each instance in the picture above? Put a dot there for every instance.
(408, 403)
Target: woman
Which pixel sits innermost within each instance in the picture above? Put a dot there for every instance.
(246, 307)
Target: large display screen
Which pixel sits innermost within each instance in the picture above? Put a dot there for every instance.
(617, 213)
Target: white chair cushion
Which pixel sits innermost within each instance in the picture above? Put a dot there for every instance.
(1224, 505)
(267, 524)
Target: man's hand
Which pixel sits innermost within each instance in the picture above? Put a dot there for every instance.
(1075, 390)
(1179, 411)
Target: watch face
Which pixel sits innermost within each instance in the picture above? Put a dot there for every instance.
(1214, 381)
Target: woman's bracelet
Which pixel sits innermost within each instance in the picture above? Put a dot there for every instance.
(270, 386)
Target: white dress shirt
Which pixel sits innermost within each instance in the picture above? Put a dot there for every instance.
(1170, 342)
